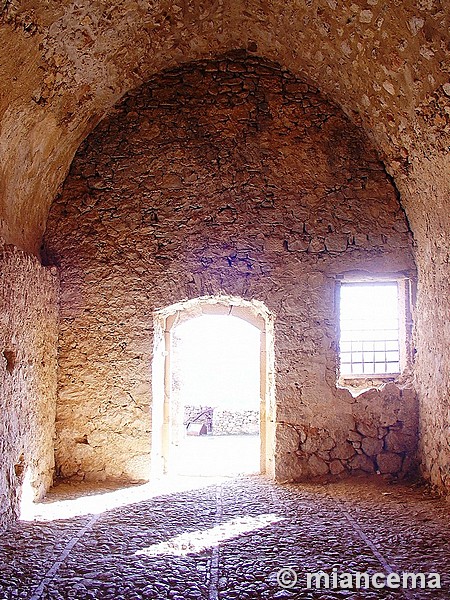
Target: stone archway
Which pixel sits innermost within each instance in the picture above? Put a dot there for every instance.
(268, 200)
(166, 320)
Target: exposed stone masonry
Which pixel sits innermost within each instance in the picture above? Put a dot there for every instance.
(198, 414)
(65, 64)
(386, 65)
(28, 344)
(432, 373)
(383, 439)
(229, 422)
(228, 177)
(220, 421)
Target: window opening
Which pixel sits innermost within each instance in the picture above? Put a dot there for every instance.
(369, 329)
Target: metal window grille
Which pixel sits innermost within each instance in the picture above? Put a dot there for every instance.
(369, 326)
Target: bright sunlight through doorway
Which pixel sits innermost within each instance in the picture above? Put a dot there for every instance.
(215, 397)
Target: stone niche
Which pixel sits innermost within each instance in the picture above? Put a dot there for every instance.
(227, 177)
(28, 346)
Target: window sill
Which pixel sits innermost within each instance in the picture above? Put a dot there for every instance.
(367, 377)
(362, 383)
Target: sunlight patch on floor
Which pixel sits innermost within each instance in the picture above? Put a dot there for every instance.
(73, 500)
(193, 542)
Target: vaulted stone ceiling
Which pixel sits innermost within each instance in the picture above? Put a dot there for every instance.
(64, 64)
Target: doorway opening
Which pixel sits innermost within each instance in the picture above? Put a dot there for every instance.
(213, 408)
(216, 396)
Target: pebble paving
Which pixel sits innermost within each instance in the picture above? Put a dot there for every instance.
(236, 538)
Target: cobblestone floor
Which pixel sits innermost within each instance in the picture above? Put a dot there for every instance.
(224, 539)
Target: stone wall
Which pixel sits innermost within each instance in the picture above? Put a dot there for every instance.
(432, 372)
(386, 65)
(28, 344)
(235, 422)
(229, 177)
(220, 421)
(377, 434)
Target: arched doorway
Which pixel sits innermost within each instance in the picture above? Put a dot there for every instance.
(166, 421)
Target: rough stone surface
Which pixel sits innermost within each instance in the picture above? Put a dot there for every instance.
(223, 422)
(233, 422)
(198, 414)
(198, 184)
(386, 65)
(389, 72)
(381, 438)
(432, 373)
(389, 462)
(28, 342)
